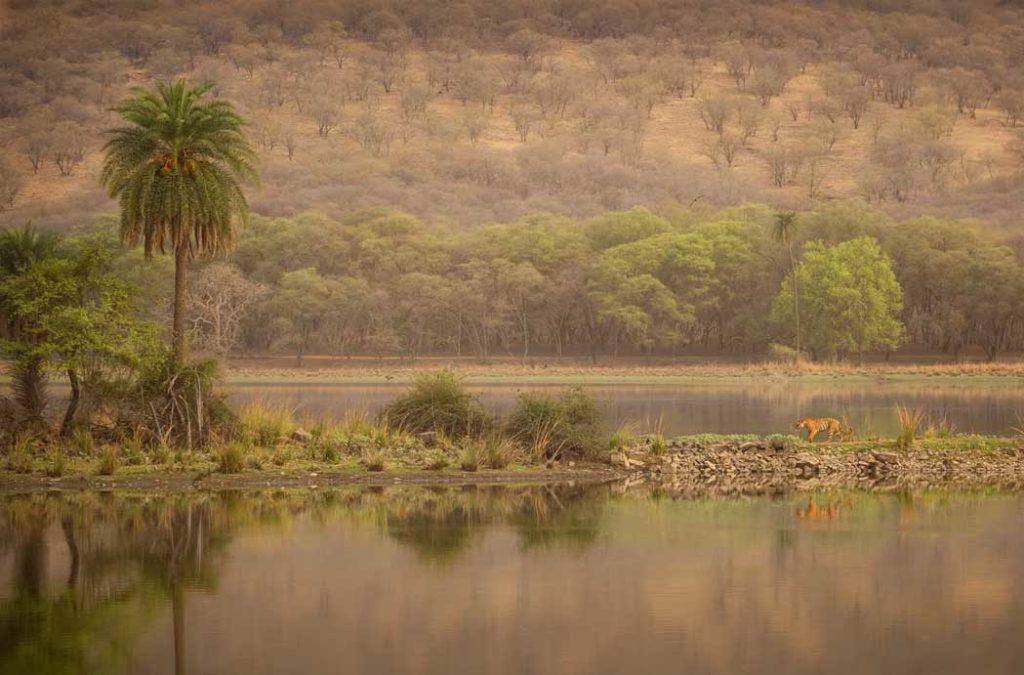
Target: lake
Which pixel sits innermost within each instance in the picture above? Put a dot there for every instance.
(555, 579)
(759, 406)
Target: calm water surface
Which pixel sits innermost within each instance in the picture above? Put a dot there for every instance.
(503, 580)
(759, 407)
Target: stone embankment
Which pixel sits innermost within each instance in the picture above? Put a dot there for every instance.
(692, 467)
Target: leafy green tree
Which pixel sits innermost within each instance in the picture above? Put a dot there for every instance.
(305, 304)
(74, 315)
(851, 294)
(19, 250)
(177, 169)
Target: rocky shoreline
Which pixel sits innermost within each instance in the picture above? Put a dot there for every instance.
(758, 467)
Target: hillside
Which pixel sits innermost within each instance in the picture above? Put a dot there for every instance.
(917, 114)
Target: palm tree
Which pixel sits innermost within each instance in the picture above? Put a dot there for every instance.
(19, 250)
(784, 232)
(177, 170)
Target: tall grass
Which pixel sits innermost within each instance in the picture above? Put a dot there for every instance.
(910, 420)
(265, 424)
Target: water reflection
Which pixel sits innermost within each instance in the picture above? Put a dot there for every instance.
(497, 579)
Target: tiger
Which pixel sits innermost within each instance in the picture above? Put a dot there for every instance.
(815, 425)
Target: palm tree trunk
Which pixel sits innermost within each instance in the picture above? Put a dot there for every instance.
(69, 414)
(796, 299)
(180, 291)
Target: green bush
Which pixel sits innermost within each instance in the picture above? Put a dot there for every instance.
(469, 458)
(264, 424)
(110, 460)
(436, 402)
(20, 458)
(552, 426)
(56, 463)
(231, 458)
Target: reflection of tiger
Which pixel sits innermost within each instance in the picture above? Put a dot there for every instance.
(834, 427)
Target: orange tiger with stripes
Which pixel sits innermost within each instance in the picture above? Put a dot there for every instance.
(815, 425)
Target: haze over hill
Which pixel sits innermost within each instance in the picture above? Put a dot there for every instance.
(488, 111)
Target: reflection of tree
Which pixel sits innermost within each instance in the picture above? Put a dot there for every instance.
(126, 558)
(439, 524)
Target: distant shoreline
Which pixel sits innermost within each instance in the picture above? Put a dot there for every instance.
(561, 373)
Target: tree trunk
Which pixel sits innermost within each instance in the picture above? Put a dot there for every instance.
(180, 291)
(796, 299)
(69, 414)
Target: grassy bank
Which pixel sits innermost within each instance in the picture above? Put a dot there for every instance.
(435, 431)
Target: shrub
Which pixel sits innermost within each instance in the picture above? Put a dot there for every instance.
(782, 353)
(56, 463)
(497, 452)
(436, 402)
(231, 458)
(551, 426)
(281, 456)
(469, 458)
(373, 460)
(20, 458)
(82, 442)
(436, 461)
(110, 460)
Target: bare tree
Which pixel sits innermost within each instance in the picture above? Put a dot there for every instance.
(715, 112)
(1011, 102)
(220, 297)
(326, 112)
(11, 183)
(724, 150)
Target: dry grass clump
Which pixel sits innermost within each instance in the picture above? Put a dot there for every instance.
(265, 424)
(910, 420)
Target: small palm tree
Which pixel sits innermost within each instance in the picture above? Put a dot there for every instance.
(19, 250)
(177, 170)
(784, 232)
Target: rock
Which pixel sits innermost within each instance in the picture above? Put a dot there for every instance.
(885, 457)
(301, 436)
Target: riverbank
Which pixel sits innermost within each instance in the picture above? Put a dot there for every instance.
(690, 466)
(684, 466)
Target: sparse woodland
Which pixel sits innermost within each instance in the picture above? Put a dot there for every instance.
(441, 177)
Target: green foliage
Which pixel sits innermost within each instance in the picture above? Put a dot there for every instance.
(436, 402)
(469, 457)
(20, 457)
(496, 452)
(176, 168)
(231, 457)
(554, 426)
(173, 403)
(56, 463)
(83, 443)
(374, 459)
(110, 460)
(849, 298)
(265, 424)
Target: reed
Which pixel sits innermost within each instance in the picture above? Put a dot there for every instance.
(910, 420)
(110, 460)
(265, 424)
